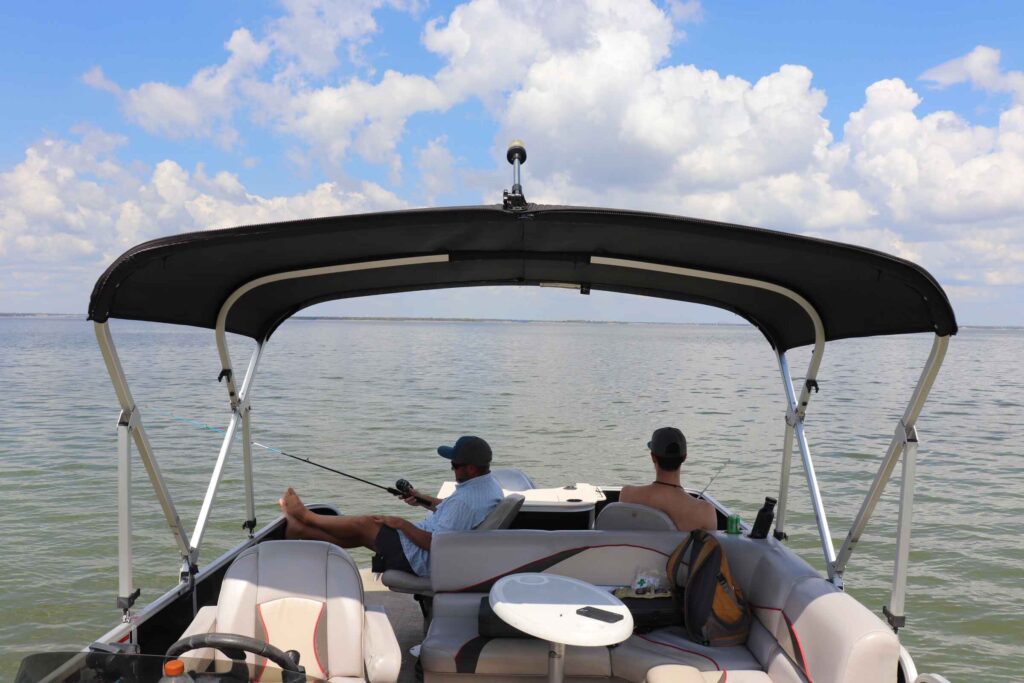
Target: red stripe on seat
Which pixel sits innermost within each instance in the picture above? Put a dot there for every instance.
(567, 553)
(316, 654)
(259, 613)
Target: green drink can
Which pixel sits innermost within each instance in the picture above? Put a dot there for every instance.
(733, 525)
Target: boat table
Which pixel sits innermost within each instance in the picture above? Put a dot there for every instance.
(547, 606)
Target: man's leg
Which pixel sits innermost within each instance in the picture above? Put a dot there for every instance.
(345, 531)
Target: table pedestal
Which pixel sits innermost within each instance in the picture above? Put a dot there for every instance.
(556, 662)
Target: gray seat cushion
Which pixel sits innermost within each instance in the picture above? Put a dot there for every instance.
(404, 582)
(454, 645)
(635, 657)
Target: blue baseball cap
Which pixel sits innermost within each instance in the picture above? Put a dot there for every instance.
(468, 450)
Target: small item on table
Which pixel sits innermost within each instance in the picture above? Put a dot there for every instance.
(599, 614)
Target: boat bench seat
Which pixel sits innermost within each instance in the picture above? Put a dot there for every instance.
(804, 628)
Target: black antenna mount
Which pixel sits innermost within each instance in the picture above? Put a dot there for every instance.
(513, 200)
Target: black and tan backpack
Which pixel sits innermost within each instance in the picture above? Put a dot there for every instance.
(714, 610)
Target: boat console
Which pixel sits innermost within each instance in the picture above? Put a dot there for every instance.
(573, 506)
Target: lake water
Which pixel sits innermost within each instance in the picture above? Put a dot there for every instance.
(564, 401)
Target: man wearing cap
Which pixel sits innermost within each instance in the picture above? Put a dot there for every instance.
(665, 493)
(399, 543)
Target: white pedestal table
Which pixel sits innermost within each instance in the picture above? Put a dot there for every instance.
(545, 606)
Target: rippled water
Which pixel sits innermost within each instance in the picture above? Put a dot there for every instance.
(563, 401)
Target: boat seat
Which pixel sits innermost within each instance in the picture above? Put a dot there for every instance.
(455, 647)
(305, 596)
(501, 517)
(804, 628)
(625, 516)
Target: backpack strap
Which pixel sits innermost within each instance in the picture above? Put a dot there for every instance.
(676, 559)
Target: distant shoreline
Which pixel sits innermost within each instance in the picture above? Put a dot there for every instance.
(356, 318)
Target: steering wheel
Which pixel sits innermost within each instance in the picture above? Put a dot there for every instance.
(234, 647)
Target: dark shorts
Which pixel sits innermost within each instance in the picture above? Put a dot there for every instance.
(389, 552)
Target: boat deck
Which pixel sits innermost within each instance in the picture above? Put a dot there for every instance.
(405, 616)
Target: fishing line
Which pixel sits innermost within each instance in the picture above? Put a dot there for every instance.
(401, 488)
(715, 476)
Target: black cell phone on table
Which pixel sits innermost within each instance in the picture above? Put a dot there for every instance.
(599, 614)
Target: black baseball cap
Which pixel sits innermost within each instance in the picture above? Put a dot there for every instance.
(468, 450)
(662, 441)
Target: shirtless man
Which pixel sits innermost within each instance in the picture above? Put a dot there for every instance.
(668, 453)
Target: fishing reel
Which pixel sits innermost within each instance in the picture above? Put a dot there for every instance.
(404, 486)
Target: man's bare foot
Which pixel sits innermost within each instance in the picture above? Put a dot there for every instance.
(292, 506)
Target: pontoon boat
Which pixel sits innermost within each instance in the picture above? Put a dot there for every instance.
(268, 595)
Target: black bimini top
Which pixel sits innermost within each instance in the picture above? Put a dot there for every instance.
(185, 279)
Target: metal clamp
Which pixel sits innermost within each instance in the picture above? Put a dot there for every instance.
(130, 418)
(793, 418)
(895, 622)
(124, 603)
(905, 434)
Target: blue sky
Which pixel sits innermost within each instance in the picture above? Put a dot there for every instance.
(899, 126)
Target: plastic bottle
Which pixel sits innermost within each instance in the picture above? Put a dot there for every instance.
(174, 672)
(765, 516)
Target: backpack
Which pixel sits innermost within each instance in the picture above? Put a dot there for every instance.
(714, 610)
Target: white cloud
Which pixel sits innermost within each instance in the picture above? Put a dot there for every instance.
(608, 120)
(980, 68)
(436, 167)
(70, 207)
(204, 108)
(307, 39)
(369, 118)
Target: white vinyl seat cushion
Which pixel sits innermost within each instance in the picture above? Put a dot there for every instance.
(678, 673)
(305, 596)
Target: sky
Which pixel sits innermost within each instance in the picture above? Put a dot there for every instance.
(896, 126)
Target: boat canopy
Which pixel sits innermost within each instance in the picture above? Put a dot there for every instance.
(256, 277)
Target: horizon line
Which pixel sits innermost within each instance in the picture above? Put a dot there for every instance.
(364, 318)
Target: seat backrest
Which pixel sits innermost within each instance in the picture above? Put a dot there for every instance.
(512, 479)
(624, 516)
(503, 514)
(298, 595)
(471, 561)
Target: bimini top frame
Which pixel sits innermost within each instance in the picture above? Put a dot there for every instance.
(796, 290)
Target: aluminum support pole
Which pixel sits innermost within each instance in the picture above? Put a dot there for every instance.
(787, 463)
(797, 421)
(811, 380)
(124, 397)
(126, 593)
(218, 469)
(250, 503)
(895, 611)
(904, 429)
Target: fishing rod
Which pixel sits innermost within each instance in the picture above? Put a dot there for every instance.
(401, 489)
(715, 476)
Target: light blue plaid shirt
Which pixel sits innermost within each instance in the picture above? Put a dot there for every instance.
(463, 510)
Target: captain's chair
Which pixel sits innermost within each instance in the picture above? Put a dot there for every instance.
(305, 596)
(633, 516)
(501, 517)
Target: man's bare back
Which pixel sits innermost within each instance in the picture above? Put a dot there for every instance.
(687, 512)
(668, 453)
